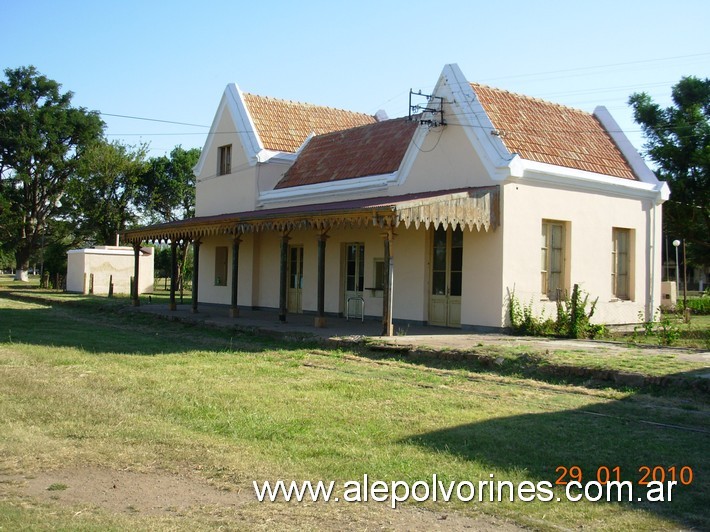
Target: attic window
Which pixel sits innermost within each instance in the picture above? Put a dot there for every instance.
(225, 160)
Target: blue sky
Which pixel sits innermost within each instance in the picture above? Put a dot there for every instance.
(171, 60)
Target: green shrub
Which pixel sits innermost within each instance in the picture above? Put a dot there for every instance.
(661, 326)
(697, 305)
(571, 320)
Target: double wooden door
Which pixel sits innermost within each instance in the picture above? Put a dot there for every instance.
(446, 277)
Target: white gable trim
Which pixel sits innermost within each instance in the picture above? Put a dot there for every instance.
(479, 129)
(569, 178)
(638, 165)
(410, 155)
(232, 102)
(245, 125)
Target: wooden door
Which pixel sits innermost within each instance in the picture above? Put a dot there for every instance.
(295, 278)
(446, 277)
(354, 280)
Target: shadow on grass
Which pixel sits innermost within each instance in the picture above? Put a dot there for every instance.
(629, 434)
(533, 363)
(104, 327)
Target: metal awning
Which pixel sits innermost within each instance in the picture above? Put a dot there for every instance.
(468, 208)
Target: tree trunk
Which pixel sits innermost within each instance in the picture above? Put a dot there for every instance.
(22, 264)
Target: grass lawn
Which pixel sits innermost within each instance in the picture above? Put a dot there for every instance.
(695, 334)
(87, 387)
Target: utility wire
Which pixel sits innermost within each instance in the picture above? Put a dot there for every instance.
(152, 120)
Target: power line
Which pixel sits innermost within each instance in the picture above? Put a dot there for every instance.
(611, 65)
(152, 120)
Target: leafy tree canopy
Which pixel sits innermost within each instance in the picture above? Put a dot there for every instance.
(168, 187)
(106, 190)
(678, 141)
(42, 138)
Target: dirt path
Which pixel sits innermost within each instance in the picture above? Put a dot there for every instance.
(470, 341)
(191, 499)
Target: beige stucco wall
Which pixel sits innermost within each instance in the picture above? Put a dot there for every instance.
(208, 291)
(589, 219)
(445, 159)
(482, 290)
(259, 270)
(235, 192)
(494, 261)
(105, 262)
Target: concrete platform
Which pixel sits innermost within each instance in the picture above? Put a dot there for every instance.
(343, 330)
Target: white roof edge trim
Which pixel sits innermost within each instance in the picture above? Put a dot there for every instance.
(638, 165)
(232, 100)
(477, 124)
(410, 155)
(265, 155)
(330, 188)
(246, 129)
(197, 169)
(562, 177)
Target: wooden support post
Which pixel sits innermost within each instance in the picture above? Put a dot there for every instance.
(195, 274)
(234, 309)
(387, 296)
(173, 274)
(283, 278)
(320, 318)
(136, 270)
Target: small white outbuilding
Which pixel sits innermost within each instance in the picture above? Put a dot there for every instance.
(108, 264)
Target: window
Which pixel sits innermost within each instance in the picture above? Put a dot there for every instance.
(620, 262)
(220, 266)
(379, 271)
(354, 267)
(553, 259)
(225, 160)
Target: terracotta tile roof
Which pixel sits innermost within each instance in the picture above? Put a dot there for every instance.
(549, 133)
(373, 149)
(283, 125)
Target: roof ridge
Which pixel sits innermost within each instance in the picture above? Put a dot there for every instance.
(527, 97)
(372, 124)
(306, 104)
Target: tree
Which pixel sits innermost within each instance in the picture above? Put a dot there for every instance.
(168, 187)
(106, 190)
(168, 194)
(42, 138)
(679, 143)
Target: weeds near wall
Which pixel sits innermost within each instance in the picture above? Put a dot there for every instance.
(572, 319)
(660, 327)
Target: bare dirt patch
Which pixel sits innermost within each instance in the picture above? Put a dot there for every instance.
(124, 491)
(165, 494)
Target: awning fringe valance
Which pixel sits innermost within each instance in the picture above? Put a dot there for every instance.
(477, 209)
(471, 209)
